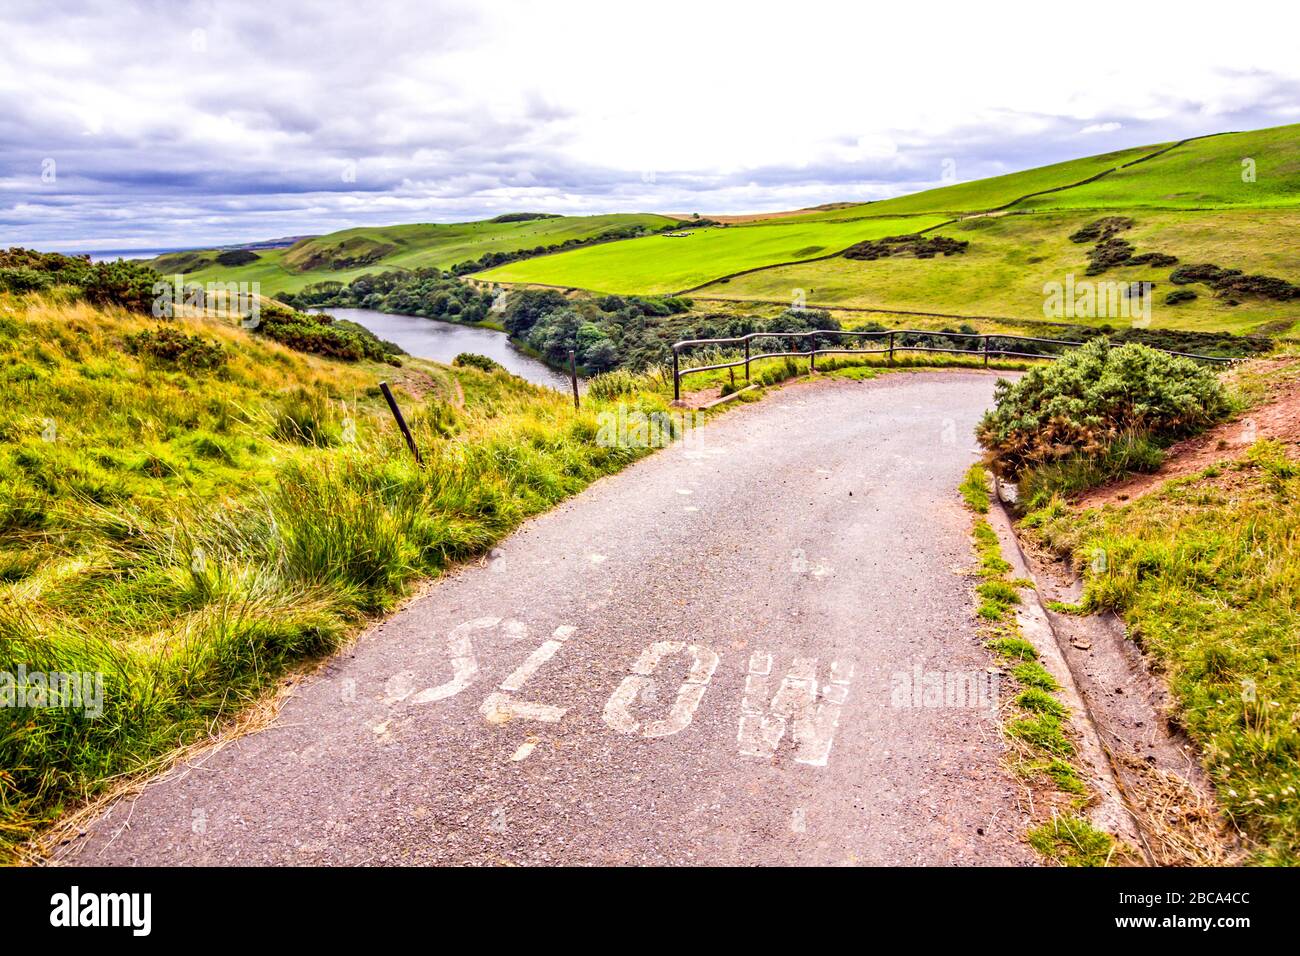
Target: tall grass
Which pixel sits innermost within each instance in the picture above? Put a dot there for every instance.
(192, 535)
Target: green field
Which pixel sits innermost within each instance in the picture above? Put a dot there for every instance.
(1204, 173)
(439, 245)
(997, 191)
(1011, 258)
(664, 264)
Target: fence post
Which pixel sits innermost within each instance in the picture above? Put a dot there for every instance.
(746, 358)
(812, 353)
(891, 348)
(677, 378)
(573, 376)
(986, 351)
(401, 422)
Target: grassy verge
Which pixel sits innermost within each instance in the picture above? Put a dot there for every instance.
(1035, 721)
(1206, 573)
(189, 529)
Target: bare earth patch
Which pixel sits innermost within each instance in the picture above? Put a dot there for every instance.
(1278, 416)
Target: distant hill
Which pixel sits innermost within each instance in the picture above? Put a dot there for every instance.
(344, 255)
(1230, 200)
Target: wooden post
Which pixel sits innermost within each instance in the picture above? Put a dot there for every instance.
(746, 358)
(677, 378)
(986, 351)
(573, 376)
(401, 422)
(812, 353)
(891, 347)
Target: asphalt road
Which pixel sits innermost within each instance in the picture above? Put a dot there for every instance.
(714, 657)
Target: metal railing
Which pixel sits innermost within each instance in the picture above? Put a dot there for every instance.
(889, 335)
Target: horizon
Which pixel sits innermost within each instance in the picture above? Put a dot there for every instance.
(734, 212)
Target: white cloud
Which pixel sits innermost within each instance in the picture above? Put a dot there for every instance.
(454, 109)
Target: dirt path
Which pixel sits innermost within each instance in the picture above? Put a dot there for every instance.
(698, 660)
(1277, 417)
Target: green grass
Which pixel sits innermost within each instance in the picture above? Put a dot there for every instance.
(439, 245)
(1035, 720)
(975, 489)
(1011, 258)
(664, 264)
(1203, 173)
(1206, 574)
(984, 194)
(1070, 840)
(191, 535)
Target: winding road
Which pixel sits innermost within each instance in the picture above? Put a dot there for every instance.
(713, 657)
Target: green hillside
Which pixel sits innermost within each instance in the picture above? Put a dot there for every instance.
(1198, 174)
(998, 191)
(1012, 257)
(673, 263)
(344, 255)
(1187, 201)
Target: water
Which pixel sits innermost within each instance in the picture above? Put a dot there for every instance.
(443, 341)
(112, 255)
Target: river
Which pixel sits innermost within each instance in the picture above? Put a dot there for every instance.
(443, 341)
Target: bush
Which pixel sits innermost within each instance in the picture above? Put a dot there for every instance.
(474, 360)
(321, 335)
(23, 280)
(124, 283)
(190, 352)
(1082, 404)
(236, 257)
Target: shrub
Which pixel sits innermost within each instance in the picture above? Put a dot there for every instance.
(190, 352)
(124, 283)
(474, 360)
(321, 335)
(236, 257)
(1091, 397)
(1229, 282)
(1101, 230)
(23, 280)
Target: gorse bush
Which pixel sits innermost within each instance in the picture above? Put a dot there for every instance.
(1092, 396)
(474, 360)
(124, 283)
(322, 335)
(170, 345)
(24, 280)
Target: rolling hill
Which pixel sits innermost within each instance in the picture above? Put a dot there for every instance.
(342, 256)
(1012, 257)
(1231, 200)
(681, 261)
(1188, 200)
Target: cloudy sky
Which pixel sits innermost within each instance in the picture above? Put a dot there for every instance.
(145, 125)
